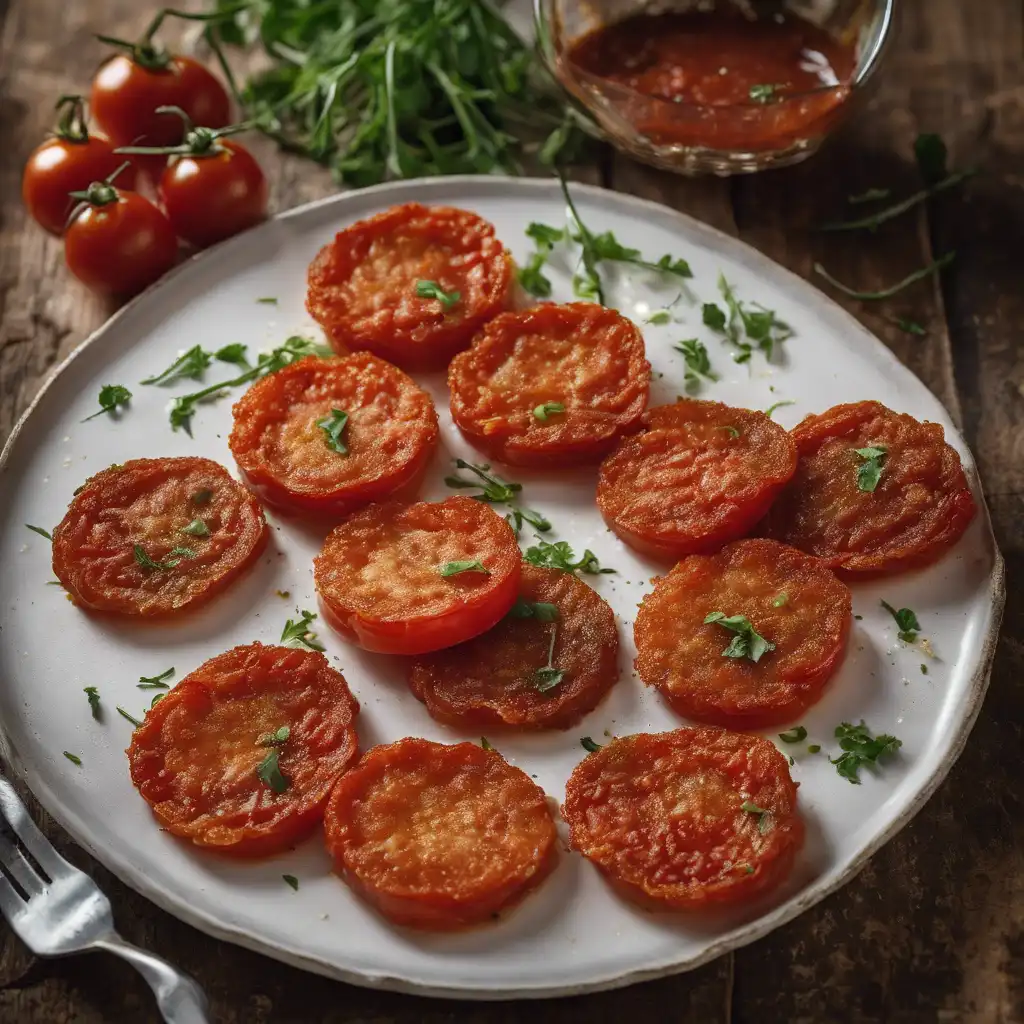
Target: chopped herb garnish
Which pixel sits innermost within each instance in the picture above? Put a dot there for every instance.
(275, 738)
(548, 677)
(747, 642)
(560, 555)
(485, 743)
(496, 491)
(289, 879)
(174, 557)
(872, 195)
(714, 316)
(268, 300)
(589, 745)
(299, 633)
(924, 669)
(283, 594)
(112, 397)
(333, 427)
(764, 816)
(918, 275)
(542, 412)
(697, 362)
(531, 275)
(659, 317)
(908, 326)
(747, 868)
(184, 407)
(781, 600)
(906, 620)
(269, 772)
(760, 325)
(202, 497)
(40, 531)
(73, 758)
(155, 682)
(124, 714)
(765, 93)
(94, 701)
(860, 748)
(197, 528)
(157, 697)
(869, 472)
(813, 748)
(539, 610)
(190, 364)
(731, 431)
(432, 290)
(778, 405)
(455, 568)
(236, 353)
(795, 735)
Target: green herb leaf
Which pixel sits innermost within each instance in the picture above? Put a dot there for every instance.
(795, 735)
(112, 397)
(299, 633)
(190, 364)
(586, 281)
(124, 714)
(539, 610)
(202, 497)
(275, 738)
(659, 317)
(455, 568)
(268, 300)
(40, 531)
(781, 601)
(813, 748)
(747, 642)
(589, 745)
(906, 620)
(764, 816)
(869, 472)
(333, 427)
(496, 491)
(760, 325)
(542, 412)
(530, 275)
(289, 879)
(174, 557)
(197, 528)
(731, 431)
(485, 743)
(860, 748)
(697, 362)
(765, 93)
(885, 293)
(548, 677)
(236, 353)
(432, 290)
(714, 316)
(94, 701)
(73, 758)
(560, 555)
(778, 405)
(155, 682)
(157, 697)
(269, 773)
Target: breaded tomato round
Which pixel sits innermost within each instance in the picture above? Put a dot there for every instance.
(687, 819)
(859, 520)
(241, 755)
(701, 475)
(156, 536)
(551, 386)
(438, 836)
(549, 661)
(333, 435)
(412, 284)
(707, 669)
(407, 579)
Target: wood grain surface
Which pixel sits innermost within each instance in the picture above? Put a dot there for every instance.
(933, 929)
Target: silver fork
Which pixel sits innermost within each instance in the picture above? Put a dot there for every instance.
(64, 912)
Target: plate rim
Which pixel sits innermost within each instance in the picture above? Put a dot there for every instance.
(136, 878)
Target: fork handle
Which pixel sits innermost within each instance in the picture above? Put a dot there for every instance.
(180, 999)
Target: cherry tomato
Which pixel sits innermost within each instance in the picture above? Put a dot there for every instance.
(212, 195)
(68, 162)
(120, 242)
(129, 87)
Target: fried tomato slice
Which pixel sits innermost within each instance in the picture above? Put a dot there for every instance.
(688, 819)
(551, 386)
(548, 662)
(407, 579)
(918, 509)
(790, 599)
(333, 435)
(156, 536)
(241, 755)
(365, 287)
(701, 475)
(437, 836)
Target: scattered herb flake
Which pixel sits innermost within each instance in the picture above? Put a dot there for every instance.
(496, 491)
(795, 735)
(202, 497)
(869, 472)
(542, 412)
(485, 743)
(781, 600)
(299, 633)
(589, 745)
(813, 748)
(155, 682)
(539, 610)
(190, 364)
(112, 397)
(659, 317)
(269, 772)
(197, 528)
(765, 93)
(73, 758)
(268, 300)
(236, 353)
(283, 594)
(764, 816)
(275, 738)
(531, 275)
(40, 531)
(714, 317)
(697, 362)
(455, 568)
(124, 714)
(924, 669)
(174, 557)
(289, 879)
(93, 695)
(731, 431)
(860, 748)
(432, 290)
(746, 642)
(560, 555)
(333, 427)
(777, 405)
(906, 620)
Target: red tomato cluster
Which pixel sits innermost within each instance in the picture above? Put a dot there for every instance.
(162, 114)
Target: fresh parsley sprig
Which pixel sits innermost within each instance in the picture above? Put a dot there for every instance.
(869, 472)
(156, 682)
(745, 328)
(191, 365)
(531, 275)
(906, 620)
(560, 555)
(746, 642)
(698, 364)
(432, 290)
(548, 677)
(174, 557)
(589, 745)
(112, 397)
(860, 748)
(496, 491)
(299, 633)
(269, 772)
(333, 427)
(467, 565)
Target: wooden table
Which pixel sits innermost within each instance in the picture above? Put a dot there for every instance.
(933, 929)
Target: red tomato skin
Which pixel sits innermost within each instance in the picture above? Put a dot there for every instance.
(125, 95)
(60, 166)
(210, 198)
(122, 247)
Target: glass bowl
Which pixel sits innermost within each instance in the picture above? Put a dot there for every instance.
(692, 138)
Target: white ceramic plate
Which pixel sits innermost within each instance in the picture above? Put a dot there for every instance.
(573, 934)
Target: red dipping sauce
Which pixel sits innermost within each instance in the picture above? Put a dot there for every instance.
(719, 79)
